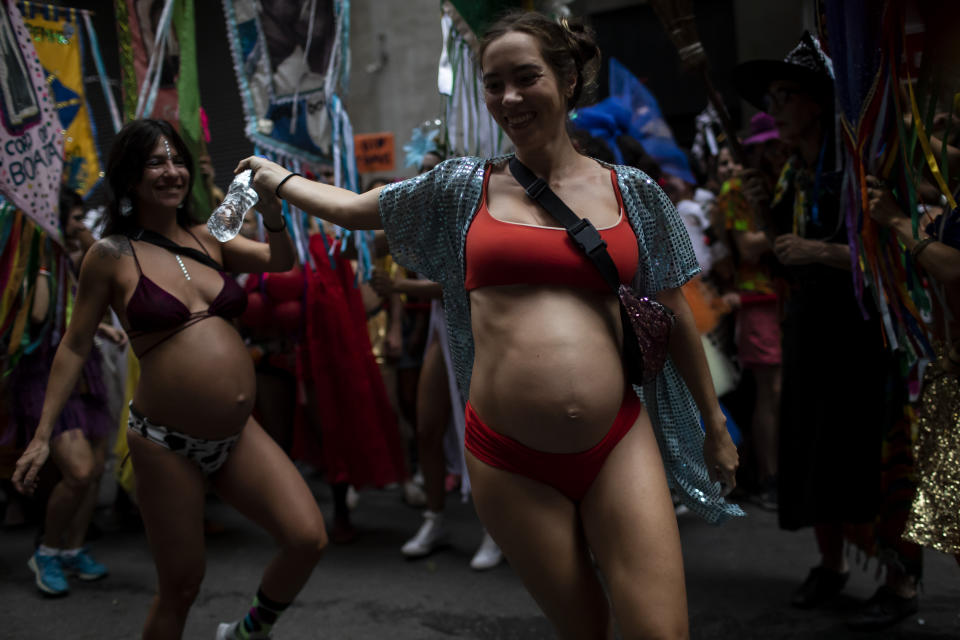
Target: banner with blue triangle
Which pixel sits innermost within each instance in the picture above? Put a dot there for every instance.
(56, 35)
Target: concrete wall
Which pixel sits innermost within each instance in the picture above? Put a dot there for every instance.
(402, 93)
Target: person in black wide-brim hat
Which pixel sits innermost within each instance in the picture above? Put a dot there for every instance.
(835, 366)
(805, 66)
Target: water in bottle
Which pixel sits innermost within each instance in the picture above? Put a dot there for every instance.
(226, 220)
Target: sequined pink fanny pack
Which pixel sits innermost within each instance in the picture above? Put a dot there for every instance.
(646, 323)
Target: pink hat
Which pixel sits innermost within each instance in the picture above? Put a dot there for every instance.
(762, 128)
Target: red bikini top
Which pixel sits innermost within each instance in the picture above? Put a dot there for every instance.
(503, 253)
(151, 309)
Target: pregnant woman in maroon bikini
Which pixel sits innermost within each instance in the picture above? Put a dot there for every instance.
(190, 419)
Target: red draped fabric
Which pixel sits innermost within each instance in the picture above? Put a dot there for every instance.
(359, 440)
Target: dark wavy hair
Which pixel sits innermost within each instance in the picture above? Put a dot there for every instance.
(128, 158)
(569, 48)
(69, 200)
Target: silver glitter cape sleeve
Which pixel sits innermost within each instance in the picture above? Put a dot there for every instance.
(426, 220)
(667, 261)
(419, 219)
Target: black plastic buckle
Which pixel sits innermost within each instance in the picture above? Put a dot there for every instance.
(587, 237)
(535, 188)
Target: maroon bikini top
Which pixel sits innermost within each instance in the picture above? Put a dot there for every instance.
(152, 310)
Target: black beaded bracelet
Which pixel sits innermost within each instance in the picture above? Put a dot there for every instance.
(276, 191)
(283, 225)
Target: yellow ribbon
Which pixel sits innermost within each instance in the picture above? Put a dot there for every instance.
(925, 144)
(124, 469)
(18, 265)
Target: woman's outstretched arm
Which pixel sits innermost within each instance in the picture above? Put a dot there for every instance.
(339, 206)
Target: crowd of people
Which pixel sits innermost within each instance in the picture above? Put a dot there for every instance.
(486, 356)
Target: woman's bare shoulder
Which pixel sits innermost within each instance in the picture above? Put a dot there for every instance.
(106, 259)
(111, 248)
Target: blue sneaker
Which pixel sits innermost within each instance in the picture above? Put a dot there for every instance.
(83, 566)
(49, 573)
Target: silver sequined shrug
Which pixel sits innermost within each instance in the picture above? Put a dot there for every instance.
(426, 219)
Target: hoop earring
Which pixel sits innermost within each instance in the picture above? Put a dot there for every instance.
(126, 207)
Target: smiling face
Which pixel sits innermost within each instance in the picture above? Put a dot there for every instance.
(522, 92)
(165, 177)
(73, 224)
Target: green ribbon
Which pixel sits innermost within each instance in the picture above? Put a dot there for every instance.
(188, 92)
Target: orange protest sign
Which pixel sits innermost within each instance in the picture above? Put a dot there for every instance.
(374, 152)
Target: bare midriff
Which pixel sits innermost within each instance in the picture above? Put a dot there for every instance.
(199, 381)
(547, 370)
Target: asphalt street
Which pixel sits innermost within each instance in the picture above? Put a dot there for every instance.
(739, 577)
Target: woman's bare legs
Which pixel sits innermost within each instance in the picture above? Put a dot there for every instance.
(170, 494)
(259, 480)
(766, 414)
(433, 415)
(76, 532)
(830, 544)
(626, 518)
(629, 522)
(539, 531)
(74, 497)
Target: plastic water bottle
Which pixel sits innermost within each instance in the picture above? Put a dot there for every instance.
(226, 220)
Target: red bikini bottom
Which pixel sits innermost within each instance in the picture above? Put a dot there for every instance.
(569, 473)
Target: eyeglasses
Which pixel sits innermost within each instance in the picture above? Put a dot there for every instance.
(778, 97)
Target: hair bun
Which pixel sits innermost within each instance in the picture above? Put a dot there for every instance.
(583, 47)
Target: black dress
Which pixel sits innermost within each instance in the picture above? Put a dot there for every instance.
(835, 373)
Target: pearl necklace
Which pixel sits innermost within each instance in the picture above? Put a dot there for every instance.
(183, 267)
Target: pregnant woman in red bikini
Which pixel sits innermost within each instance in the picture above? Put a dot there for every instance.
(563, 454)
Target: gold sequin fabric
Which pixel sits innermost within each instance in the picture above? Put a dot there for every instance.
(426, 219)
(935, 514)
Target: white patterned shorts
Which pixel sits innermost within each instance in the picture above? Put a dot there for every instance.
(209, 455)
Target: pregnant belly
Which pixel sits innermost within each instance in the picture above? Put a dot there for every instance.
(200, 382)
(547, 370)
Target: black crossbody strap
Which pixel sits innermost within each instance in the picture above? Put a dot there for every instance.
(162, 241)
(581, 230)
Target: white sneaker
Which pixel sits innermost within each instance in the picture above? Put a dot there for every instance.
(431, 535)
(414, 495)
(226, 631)
(353, 498)
(487, 556)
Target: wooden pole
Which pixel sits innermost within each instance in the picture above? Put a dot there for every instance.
(679, 21)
